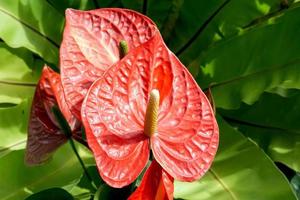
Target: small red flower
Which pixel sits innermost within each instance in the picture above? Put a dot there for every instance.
(156, 185)
(91, 45)
(182, 134)
(44, 133)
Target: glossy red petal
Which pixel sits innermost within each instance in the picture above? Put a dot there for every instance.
(119, 161)
(113, 125)
(187, 137)
(188, 134)
(91, 45)
(156, 185)
(44, 134)
(54, 80)
(113, 111)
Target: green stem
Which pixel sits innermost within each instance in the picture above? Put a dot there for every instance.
(71, 141)
(68, 132)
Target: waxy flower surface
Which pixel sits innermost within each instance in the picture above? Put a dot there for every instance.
(184, 136)
(91, 45)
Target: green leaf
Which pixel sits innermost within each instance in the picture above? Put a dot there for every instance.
(15, 64)
(296, 184)
(272, 122)
(15, 93)
(105, 192)
(50, 194)
(13, 127)
(32, 24)
(177, 18)
(220, 22)
(19, 73)
(163, 13)
(85, 182)
(62, 5)
(19, 181)
(241, 170)
(242, 68)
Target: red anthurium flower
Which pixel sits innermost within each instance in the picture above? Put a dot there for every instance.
(156, 185)
(149, 100)
(91, 45)
(44, 133)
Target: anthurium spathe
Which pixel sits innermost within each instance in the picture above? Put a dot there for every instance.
(44, 133)
(156, 185)
(91, 45)
(149, 100)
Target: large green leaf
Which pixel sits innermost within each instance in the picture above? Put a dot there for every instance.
(296, 184)
(19, 73)
(13, 127)
(163, 13)
(85, 189)
(19, 181)
(15, 93)
(241, 170)
(50, 194)
(32, 24)
(62, 5)
(18, 76)
(243, 67)
(273, 122)
(225, 19)
(14, 64)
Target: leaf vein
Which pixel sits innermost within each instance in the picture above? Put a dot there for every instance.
(214, 174)
(30, 27)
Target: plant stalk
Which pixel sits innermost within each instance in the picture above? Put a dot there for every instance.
(68, 132)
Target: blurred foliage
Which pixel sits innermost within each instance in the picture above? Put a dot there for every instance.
(247, 52)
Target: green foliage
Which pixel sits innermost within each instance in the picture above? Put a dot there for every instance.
(32, 24)
(49, 194)
(254, 66)
(248, 52)
(86, 183)
(296, 184)
(19, 180)
(18, 75)
(272, 122)
(13, 126)
(241, 170)
(105, 192)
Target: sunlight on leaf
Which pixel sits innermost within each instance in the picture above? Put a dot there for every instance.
(20, 180)
(240, 170)
(243, 65)
(272, 122)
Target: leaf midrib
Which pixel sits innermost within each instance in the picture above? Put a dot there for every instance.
(219, 180)
(261, 126)
(17, 143)
(18, 83)
(280, 67)
(201, 28)
(30, 27)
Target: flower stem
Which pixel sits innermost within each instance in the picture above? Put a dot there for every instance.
(68, 132)
(71, 141)
(81, 141)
